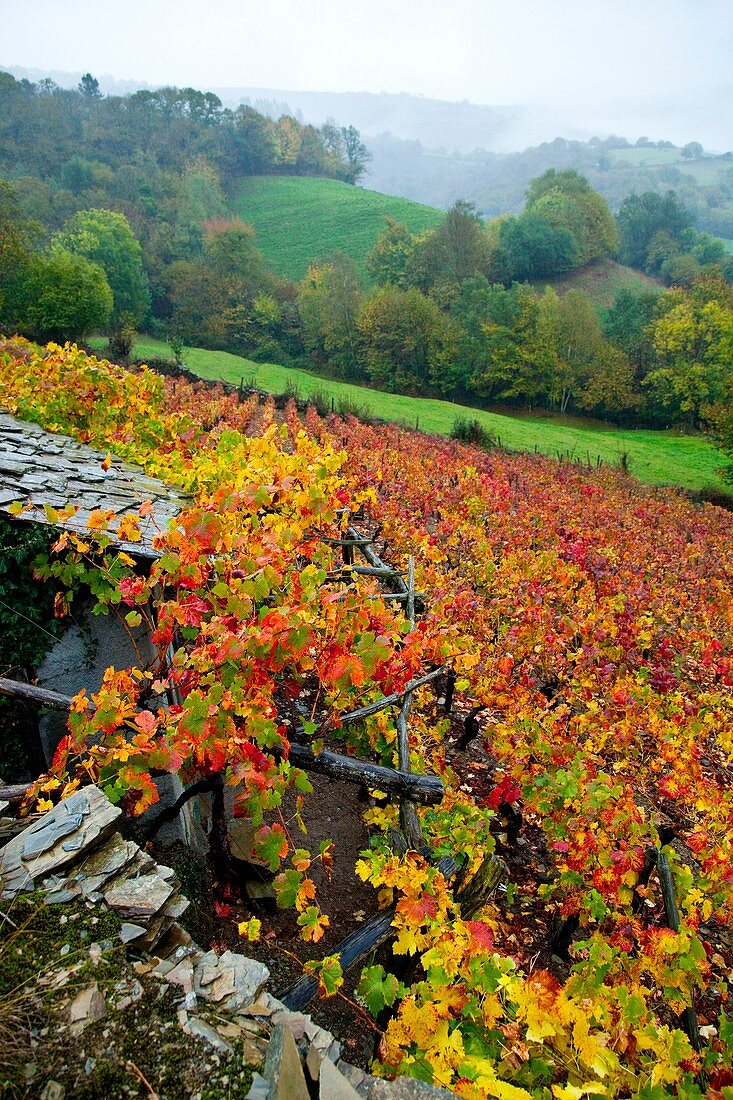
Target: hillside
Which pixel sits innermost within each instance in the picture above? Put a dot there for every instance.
(579, 627)
(497, 182)
(658, 458)
(299, 219)
(602, 281)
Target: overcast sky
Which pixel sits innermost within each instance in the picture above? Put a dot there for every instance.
(488, 51)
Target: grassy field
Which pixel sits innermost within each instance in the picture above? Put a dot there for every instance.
(602, 281)
(299, 219)
(660, 458)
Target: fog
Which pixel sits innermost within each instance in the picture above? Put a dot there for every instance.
(660, 68)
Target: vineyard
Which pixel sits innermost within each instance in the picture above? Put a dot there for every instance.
(585, 626)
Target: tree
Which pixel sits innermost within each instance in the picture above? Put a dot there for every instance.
(531, 248)
(409, 343)
(693, 337)
(105, 238)
(199, 301)
(201, 199)
(329, 298)
(692, 149)
(356, 153)
(640, 217)
(566, 200)
(596, 376)
(392, 258)
(230, 247)
(16, 237)
(457, 250)
(627, 324)
(64, 297)
(89, 87)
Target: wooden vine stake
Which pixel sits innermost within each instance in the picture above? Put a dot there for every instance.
(409, 819)
(689, 1016)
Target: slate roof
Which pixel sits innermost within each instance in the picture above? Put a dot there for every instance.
(39, 467)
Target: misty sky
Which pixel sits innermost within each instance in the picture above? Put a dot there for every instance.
(513, 51)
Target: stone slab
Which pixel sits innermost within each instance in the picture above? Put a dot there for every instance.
(74, 827)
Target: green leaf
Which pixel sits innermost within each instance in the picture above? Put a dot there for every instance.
(377, 988)
(301, 781)
(287, 884)
(271, 845)
(329, 973)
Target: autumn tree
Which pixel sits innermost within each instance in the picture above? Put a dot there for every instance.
(596, 376)
(16, 239)
(409, 344)
(457, 250)
(529, 247)
(640, 217)
(693, 337)
(392, 260)
(566, 200)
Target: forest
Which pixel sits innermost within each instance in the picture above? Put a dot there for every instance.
(119, 218)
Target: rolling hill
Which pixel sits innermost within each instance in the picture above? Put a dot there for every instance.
(299, 219)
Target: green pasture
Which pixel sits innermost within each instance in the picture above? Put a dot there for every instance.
(659, 458)
(299, 219)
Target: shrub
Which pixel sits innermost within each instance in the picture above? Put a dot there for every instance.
(466, 430)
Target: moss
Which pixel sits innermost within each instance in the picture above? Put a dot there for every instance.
(41, 932)
(104, 1060)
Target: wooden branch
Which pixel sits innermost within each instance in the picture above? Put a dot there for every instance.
(409, 820)
(371, 555)
(52, 700)
(365, 571)
(15, 792)
(347, 542)
(355, 946)
(426, 789)
(389, 700)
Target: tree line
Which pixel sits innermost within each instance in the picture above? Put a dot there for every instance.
(451, 311)
(497, 182)
(163, 159)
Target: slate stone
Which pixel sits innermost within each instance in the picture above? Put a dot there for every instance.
(138, 897)
(405, 1088)
(39, 851)
(332, 1085)
(106, 862)
(53, 1090)
(259, 1089)
(54, 469)
(194, 1025)
(230, 981)
(52, 828)
(130, 932)
(87, 1007)
(282, 1068)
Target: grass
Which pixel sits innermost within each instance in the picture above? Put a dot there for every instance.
(299, 219)
(601, 281)
(659, 458)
